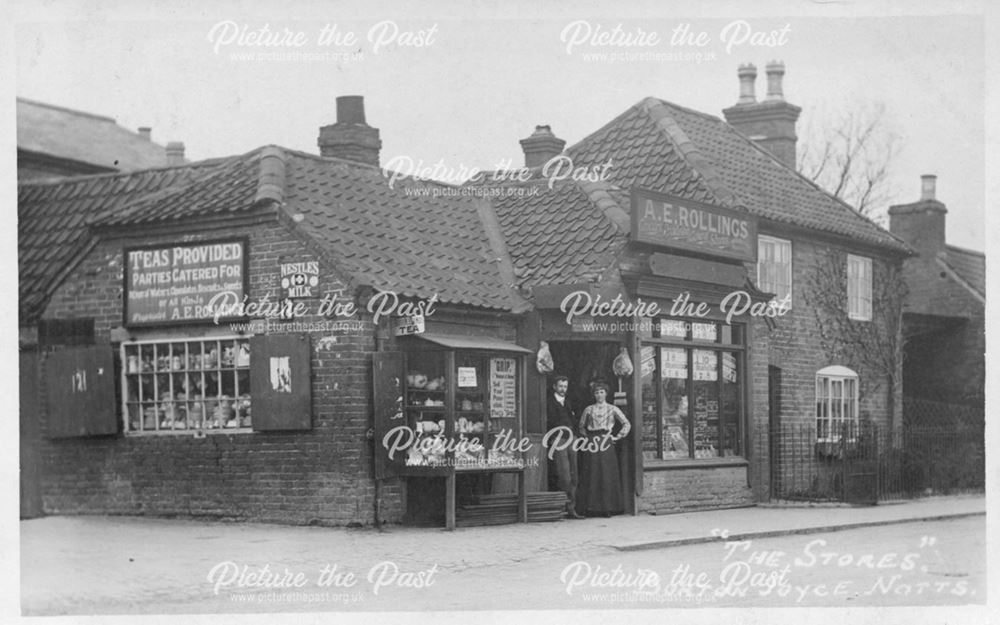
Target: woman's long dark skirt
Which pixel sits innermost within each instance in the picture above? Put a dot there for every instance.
(600, 489)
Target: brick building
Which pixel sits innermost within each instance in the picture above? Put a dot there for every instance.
(54, 141)
(737, 288)
(944, 316)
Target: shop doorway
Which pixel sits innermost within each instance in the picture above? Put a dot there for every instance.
(585, 362)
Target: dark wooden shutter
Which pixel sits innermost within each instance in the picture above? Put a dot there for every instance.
(80, 392)
(281, 382)
(387, 375)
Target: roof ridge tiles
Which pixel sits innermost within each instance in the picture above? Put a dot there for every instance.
(963, 250)
(64, 109)
(687, 149)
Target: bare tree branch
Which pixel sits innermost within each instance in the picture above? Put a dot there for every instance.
(851, 156)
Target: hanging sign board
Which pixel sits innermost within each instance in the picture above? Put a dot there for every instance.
(409, 324)
(677, 223)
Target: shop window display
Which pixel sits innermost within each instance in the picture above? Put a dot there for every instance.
(177, 385)
(692, 402)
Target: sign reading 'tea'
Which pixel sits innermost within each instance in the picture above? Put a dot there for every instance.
(677, 223)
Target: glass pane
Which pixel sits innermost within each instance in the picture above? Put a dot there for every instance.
(471, 397)
(673, 328)
(705, 331)
(730, 408)
(674, 408)
(732, 334)
(706, 404)
(650, 435)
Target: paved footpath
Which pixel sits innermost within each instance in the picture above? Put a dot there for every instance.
(101, 564)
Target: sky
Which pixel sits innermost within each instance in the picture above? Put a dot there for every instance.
(462, 89)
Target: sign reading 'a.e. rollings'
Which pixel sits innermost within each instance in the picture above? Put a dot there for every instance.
(687, 225)
(176, 283)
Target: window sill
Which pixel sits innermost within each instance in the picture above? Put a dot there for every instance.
(694, 463)
(190, 432)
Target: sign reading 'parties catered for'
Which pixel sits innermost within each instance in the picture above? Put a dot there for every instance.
(688, 225)
(177, 283)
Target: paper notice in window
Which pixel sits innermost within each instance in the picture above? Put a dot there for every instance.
(281, 375)
(467, 377)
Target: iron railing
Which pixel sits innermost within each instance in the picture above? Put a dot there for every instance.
(866, 463)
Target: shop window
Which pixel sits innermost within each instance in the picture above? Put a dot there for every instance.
(836, 404)
(177, 385)
(774, 267)
(692, 404)
(859, 287)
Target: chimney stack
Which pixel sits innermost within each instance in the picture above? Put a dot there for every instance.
(146, 133)
(771, 123)
(541, 147)
(922, 223)
(175, 153)
(351, 137)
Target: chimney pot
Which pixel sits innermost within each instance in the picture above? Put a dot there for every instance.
(775, 73)
(146, 133)
(748, 75)
(175, 153)
(541, 146)
(351, 109)
(928, 187)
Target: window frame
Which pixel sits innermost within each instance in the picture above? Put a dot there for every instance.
(859, 288)
(241, 409)
(763, 239)
(830, 422)
(691, 344)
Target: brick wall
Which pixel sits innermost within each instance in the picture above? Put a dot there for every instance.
(691, 488)
(796, 348)
(324, 475)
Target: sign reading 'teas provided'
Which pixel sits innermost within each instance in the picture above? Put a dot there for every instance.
(688, 225)
(177, 283)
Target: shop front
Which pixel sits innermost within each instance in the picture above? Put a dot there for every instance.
(680, 309)
(449, 421)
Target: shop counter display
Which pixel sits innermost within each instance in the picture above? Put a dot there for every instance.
(457, 412)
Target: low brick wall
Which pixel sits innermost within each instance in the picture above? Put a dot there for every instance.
(695, 488)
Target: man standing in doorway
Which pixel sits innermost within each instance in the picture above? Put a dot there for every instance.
(560, 413)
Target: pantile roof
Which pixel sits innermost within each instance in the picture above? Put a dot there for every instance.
(969, 265)
(417, 239)
(560, 234)
(53, 216)
(670, 149)
(414, 238)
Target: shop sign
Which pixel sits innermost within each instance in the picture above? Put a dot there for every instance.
(299, 279)
(677, 223)
(411, 324)
(503, 387)
(177, 283)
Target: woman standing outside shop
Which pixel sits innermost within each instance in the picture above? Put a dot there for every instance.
(600, 489)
